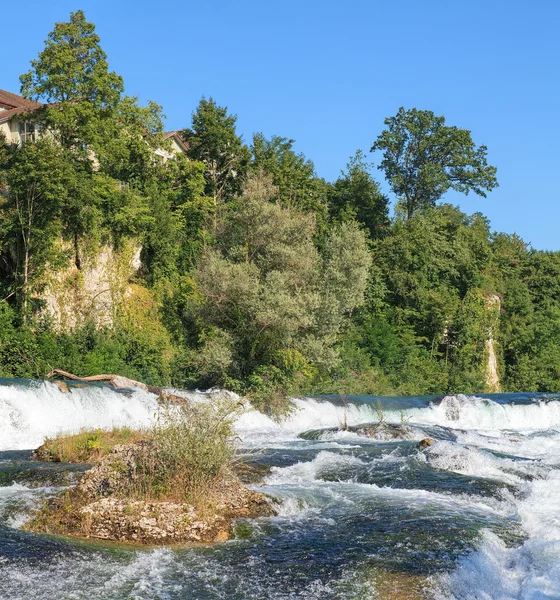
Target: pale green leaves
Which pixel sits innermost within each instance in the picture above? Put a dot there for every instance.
(270, 289)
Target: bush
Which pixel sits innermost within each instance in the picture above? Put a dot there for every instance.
(192, 451)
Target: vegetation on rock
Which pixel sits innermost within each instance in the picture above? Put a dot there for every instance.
(175, 482)
(86, 446)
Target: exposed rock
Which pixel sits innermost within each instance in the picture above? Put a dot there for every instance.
(383, 431)
(166, 397)
(451, 405)
(426, 443)
(62, 386)
(90, 286)
(110, 474)
(97, 506)
(493, 306)
(150, 522)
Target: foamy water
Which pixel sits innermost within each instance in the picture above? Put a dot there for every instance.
(475, 516)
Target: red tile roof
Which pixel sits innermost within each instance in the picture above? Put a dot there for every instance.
(16, 104)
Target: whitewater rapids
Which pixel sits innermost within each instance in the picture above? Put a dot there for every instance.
(475, 516)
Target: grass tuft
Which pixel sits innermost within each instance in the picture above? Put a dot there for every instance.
(86, 446)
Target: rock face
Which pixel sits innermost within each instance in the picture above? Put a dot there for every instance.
(91, 291)
(492, 378)
(98, 508)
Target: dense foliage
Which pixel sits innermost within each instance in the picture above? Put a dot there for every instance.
(255, 273)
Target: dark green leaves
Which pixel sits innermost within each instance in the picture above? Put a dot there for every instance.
(423, 158)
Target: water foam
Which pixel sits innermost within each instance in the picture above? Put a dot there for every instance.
(32, 410)
(469, 412)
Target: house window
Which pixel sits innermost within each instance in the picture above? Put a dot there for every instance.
(27, 132)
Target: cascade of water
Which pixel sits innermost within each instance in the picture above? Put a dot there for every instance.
(29, 411)
(479, 509)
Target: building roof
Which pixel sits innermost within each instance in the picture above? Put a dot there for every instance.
(15, 104)
(177, 137)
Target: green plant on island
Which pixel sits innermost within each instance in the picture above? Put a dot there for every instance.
(87, 446)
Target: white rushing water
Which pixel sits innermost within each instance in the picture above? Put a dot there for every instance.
(332, 482)
(482, 428)
(31, 411)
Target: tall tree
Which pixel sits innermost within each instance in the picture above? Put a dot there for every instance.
(37, 180)
(293, 174)
(213, 140)
(72, 75)
(269, 292)
(423, 158)
(356, 195)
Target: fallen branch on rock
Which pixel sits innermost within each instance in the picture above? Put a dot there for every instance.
(118, 381)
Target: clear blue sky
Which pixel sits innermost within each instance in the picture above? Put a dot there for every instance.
(327, 73)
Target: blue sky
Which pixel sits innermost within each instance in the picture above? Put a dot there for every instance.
(327, 73)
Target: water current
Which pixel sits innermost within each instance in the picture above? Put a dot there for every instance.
(474, 516)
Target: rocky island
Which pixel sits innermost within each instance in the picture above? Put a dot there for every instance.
(172, 484)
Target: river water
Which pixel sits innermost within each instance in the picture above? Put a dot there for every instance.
(475, 516)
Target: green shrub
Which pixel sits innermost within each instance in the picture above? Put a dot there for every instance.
(193, 449)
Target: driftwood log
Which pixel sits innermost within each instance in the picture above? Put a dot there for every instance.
(118, 381)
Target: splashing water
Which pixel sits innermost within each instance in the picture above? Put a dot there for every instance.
(476, 515)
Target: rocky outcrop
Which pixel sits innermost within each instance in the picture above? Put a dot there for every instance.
(91, 288)
(492, 379)
(111, 475)
(381, 431)
(101, 506)
(149, 522)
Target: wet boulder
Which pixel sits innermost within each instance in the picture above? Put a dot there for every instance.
(426, 443)
(381, 431)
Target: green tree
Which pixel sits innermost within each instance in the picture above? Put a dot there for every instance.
(292, 174)
(134, 134)
(355, 195)
(72, 75)
(182, 217)
(213, 140)
(423, 158)
(38, 178)
(271, 298)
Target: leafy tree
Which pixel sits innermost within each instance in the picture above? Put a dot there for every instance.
(38, 178)
(423, 158)
(355, 195)
(269, 295)
(72, 75)
(134, 134)
(182, 216)
(213, 140)
(292, 174)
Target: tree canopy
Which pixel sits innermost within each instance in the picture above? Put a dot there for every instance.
(212, 140)
(423, 158)
(72, 76)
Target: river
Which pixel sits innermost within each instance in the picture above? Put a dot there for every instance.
(474, 516)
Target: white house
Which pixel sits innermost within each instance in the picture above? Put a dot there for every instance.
(17, 130)
(12, 108)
